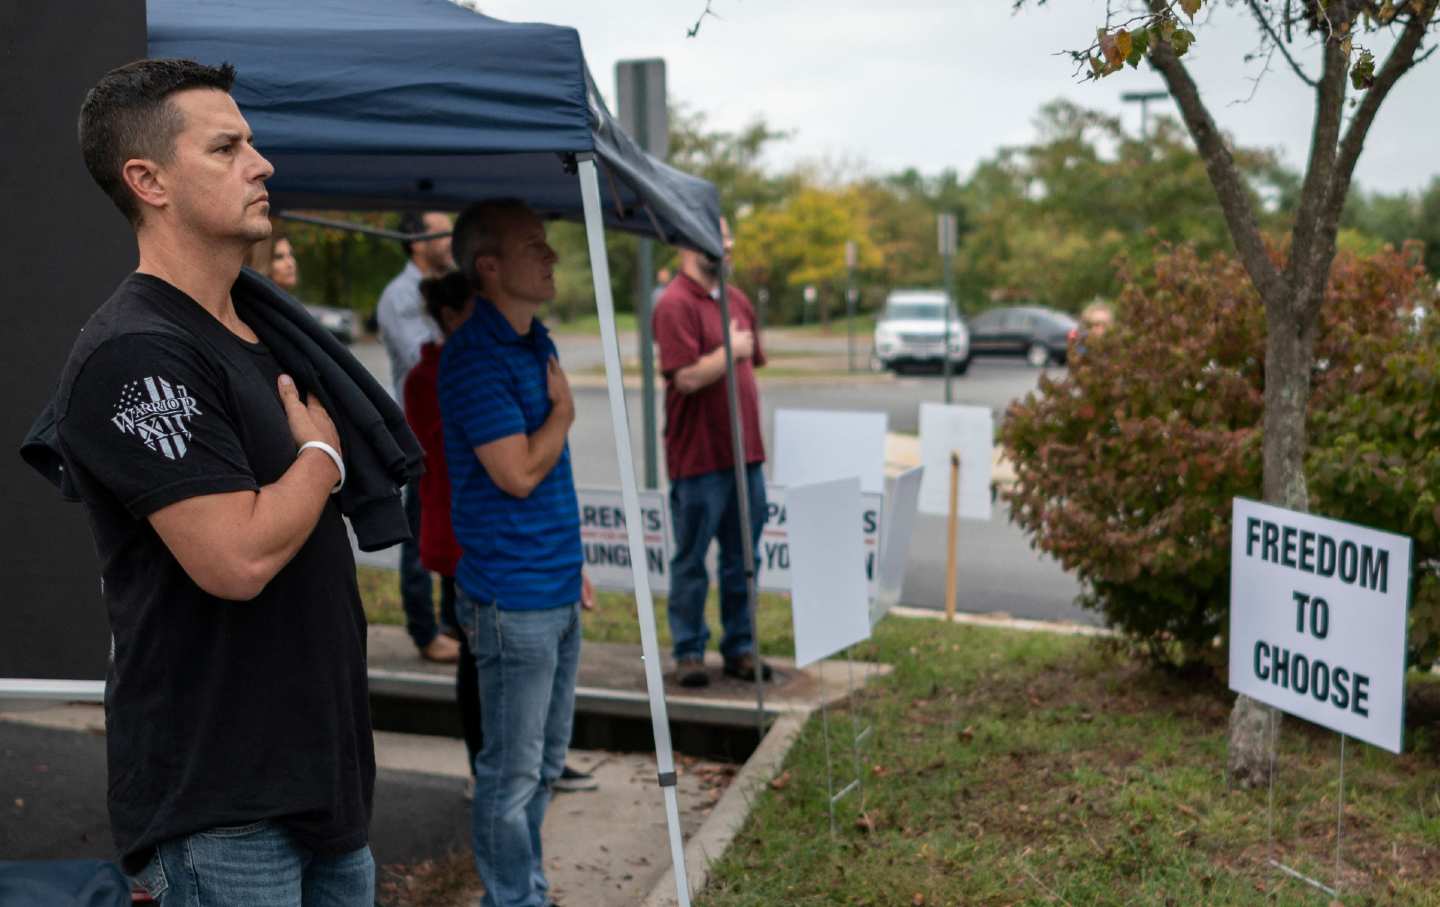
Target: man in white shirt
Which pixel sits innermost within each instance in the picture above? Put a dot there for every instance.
(404, 327)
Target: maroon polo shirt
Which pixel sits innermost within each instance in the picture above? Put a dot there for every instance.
(687, 325)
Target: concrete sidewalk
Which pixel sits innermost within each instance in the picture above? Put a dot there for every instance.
(606, 847)
(612, 681)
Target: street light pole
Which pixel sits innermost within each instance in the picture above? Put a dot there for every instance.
(640, 90)
(644, 295)
(850, 256)
(945, 228)
(1143, 98)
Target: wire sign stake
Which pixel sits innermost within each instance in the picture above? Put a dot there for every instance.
(1272, 731)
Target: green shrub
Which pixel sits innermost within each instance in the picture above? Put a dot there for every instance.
(1127, 466)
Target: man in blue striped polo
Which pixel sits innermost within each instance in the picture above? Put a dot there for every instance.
(506, 408)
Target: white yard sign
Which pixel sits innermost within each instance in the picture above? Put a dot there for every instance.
(606, 547)
(607, 551)
(775, 557)
(889, 578)
(1317, 619)
(969, 431)
(828, 601)
(817, 445)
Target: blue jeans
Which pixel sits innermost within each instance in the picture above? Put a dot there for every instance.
(527, 662)
(703, 508)
(416, 586)
(255, 865)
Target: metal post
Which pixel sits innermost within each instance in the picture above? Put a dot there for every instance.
(1143, 98)
(742, 494)
(945, 228)
(640, 96)
(952, 536)
(634, 524)
(645, 291)
(850, 256)
(1340, 820)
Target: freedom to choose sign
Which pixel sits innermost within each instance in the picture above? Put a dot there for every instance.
(1317, 619)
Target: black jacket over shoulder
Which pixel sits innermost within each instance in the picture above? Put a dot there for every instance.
(381, 453)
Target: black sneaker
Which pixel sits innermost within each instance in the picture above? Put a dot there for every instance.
(573, 779)
(690, 672)
(742, 667)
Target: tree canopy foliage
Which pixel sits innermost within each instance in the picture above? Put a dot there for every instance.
(1046, 221)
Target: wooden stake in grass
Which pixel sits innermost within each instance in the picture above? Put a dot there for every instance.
(954, 530)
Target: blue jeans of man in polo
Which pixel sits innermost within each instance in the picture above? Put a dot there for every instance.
(703, 508)
(255, 865)
(527, 663)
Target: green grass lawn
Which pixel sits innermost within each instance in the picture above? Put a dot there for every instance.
(590, 324)
(864, 327)
(613, 619)
(1013, 768)
(1027, 768)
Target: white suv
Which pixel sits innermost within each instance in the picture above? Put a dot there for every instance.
(911, 331)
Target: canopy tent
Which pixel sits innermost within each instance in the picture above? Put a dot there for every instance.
(382, 104)
(422, 104)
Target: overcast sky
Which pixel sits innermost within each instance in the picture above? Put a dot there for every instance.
(897, 83)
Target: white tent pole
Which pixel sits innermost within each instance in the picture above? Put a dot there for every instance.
(630, 497)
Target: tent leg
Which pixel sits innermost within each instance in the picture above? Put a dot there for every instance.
(742, 494)
(634, 523)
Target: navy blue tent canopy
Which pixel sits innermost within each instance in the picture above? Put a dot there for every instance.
(382, 104)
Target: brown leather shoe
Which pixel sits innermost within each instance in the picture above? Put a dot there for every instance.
(442, 649)
(742, 667)
(690, 672)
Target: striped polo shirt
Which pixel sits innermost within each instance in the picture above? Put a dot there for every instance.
(517, 553)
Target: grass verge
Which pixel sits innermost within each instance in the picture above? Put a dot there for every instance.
(589, 325)
(1013, 768)
(1025, 768)
(864, 327)
(613, 619)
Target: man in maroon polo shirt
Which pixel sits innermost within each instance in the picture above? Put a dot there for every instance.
(699, 454)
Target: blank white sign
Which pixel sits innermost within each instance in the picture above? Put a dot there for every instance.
(895, 541)
(828, 594)
(969, 430)
(816, 445)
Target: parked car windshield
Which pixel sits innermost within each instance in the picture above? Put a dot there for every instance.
(916, 311)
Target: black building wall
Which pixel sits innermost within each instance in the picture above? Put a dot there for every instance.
(63, 248)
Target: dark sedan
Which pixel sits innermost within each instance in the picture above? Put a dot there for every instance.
(1039, 334)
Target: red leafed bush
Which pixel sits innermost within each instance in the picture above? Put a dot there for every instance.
(1126, 467)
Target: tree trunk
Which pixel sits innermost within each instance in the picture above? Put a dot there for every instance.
(1289, 355)
(1292, 300)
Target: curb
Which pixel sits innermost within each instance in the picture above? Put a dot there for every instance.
(713, 837)
(593, 381)
(1006, 622)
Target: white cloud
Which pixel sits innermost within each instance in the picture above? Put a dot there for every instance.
(936, 84)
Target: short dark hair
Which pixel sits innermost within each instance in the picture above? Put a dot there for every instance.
(128, 115)
(412, 223)
(447, 291)
(477, 232)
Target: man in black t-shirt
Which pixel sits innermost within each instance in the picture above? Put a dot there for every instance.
(240, 752)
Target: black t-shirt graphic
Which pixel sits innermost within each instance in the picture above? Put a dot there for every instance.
(218, 712)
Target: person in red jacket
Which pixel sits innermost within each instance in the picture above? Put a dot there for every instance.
(449, 300)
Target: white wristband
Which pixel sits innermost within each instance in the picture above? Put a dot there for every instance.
(333, 454)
